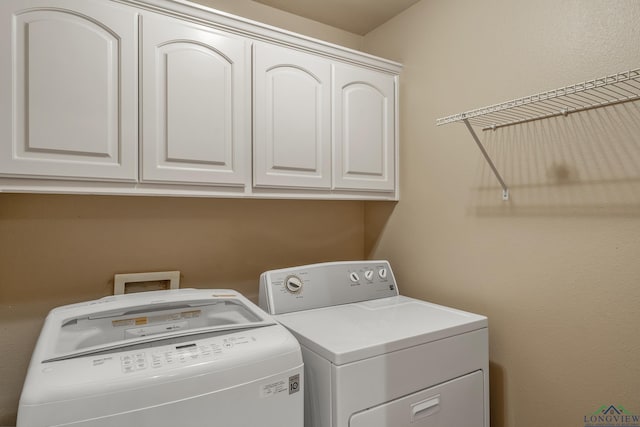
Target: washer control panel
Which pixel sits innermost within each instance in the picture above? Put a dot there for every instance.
(327, 284)
(156, 356)
(181, 354)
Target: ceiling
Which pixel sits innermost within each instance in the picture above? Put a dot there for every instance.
(355, 16)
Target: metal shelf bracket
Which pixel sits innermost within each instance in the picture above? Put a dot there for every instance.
(505, 189)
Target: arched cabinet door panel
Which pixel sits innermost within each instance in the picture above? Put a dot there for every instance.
(69, 81)
(364, 129)
(195, 102)
(292, 114)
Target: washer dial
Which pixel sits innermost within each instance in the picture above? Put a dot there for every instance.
(293, 284)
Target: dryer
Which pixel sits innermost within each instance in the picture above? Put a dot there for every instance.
(188, 357)
(375, 358)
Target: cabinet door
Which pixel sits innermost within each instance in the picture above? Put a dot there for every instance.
(195, 100)
(364, 115)
(292, 133)
(68, 77)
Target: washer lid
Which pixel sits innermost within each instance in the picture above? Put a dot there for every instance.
(125, 320)
(351, 332)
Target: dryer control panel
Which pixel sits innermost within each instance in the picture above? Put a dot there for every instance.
(326, 284)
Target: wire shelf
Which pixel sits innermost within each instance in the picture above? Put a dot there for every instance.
(600, 92)
(596, 93)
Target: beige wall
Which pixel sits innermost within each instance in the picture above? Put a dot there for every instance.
(56, 250)
(277, 18)
(557, 268)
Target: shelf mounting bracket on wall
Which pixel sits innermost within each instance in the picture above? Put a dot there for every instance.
(505, 189)
(601, 92)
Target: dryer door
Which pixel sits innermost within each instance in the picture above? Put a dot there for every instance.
(458, 402)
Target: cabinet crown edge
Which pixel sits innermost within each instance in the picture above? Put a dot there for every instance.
(206, 15)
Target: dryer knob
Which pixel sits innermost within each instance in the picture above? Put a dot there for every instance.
(368, 275)
(382, 273)
(293, 284)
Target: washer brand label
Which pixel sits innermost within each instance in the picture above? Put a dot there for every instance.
(101, 361)
(294, 384)
(273, 388)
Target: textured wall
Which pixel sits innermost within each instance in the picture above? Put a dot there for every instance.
(555, 269)
(277, 18)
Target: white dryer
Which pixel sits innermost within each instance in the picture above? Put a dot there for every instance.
(374, 358)
(183, 357)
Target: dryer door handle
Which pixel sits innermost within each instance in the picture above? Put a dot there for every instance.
(425, 408)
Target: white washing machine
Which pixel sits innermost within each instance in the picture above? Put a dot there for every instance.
(374, 358)
(163, 359)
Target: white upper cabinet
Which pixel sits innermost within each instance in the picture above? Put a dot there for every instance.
(68, 77)
(364, 119)
(292, 114)
(165, 97)
(196, 114)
